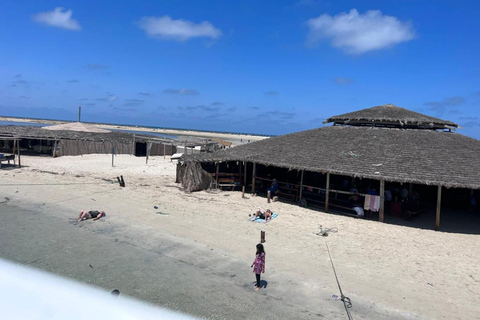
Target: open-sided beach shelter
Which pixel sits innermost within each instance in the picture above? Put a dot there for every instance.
(383, 143)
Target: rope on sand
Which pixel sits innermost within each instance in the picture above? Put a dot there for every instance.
(50, 184)
(347, 303)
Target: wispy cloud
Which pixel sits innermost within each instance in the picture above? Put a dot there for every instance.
(59, 17)
(217, 103)
(19, 82)
(359, 33)
(23, 97)
(108, 98)
(185, 92)
(179, 30)
(471, 124)
(145, 94)
(95, 66)
(133, 102)
(73, 81)
(125, 109)
(277, 113)
(342, 81)
(441, 106)
(271, 93)
(254, 108)
(200, 107)
(231, 109)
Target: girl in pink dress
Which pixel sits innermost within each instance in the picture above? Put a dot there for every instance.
(258, 264)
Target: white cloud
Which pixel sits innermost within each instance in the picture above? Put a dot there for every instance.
(180, 30)
(58, 18)
(359, 33)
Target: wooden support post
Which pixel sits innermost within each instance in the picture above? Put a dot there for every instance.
(134, 145)
(382, 200)
(216, 175)
(149, 146)
(439, 203)
(164, 150)
(253, 177)
(53, 149)
(327, 191)
(301, 186)
(18, 150)
(14, 151)
(244, 178)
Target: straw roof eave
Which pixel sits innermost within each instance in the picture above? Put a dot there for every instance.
(402, 155)
(392, 114)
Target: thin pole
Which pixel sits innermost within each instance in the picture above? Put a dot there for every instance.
(164, 150)
(15, 150)
(149, 145)
(301, 185)
(253, 177)
(113, 152)
(134, 145)
(216, 177)
(439, 203)
(382, 200)
(18, 150)
(327, 191)
(79, 112)
(244, 178)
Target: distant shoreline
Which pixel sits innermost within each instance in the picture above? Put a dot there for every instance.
(235, 138)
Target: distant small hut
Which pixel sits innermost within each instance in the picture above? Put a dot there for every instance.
(75, 139)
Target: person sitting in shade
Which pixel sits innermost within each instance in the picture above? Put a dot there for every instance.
(95, 215)
(272, 189)
(404, 194)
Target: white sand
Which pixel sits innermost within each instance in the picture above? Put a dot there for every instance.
(433, 275)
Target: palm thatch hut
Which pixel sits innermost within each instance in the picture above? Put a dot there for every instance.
(74, 139)
(383, 144)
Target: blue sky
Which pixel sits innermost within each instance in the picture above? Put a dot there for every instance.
(267, 67)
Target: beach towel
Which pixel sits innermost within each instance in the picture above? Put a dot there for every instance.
(274, 215)
(375, 203)
(366, 205)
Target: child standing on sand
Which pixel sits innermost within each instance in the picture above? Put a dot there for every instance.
(258, 264)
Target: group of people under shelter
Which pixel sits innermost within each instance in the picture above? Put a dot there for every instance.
(370, 202)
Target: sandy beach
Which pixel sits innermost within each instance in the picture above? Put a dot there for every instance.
(194, 252)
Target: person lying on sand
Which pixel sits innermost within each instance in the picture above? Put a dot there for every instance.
(267, 215)
(95, 215)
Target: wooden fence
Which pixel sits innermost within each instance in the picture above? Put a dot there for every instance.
(80, 147)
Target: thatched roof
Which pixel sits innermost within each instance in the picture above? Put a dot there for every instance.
(397, 155)
(222, 142)
(76, 126)
(392, 116)
(33, 132)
